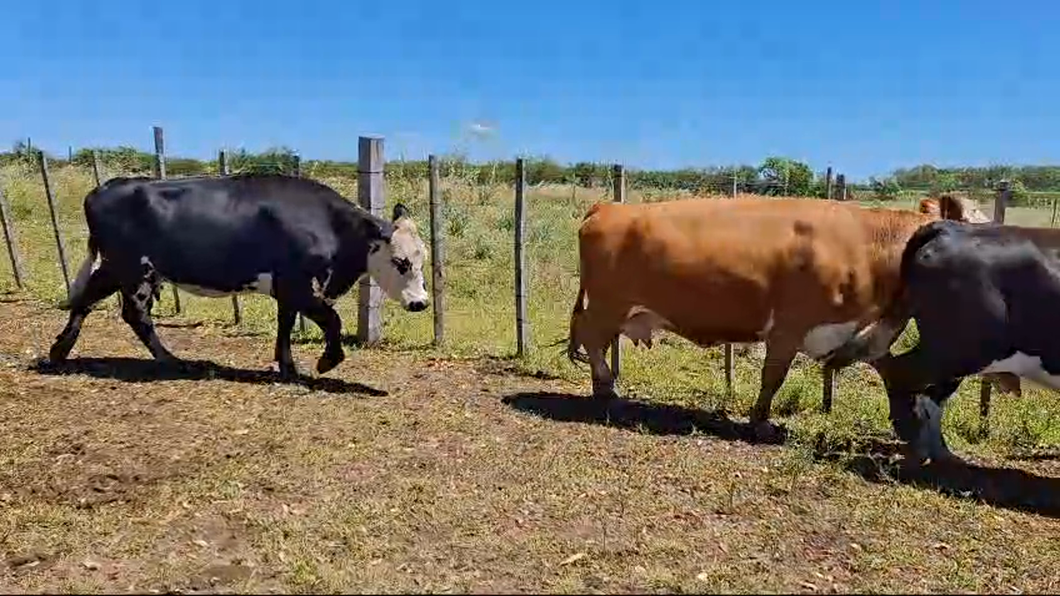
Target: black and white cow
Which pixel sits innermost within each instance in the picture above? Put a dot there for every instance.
(986, 300)
(293, 239)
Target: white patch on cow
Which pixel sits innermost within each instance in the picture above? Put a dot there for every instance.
(768, 326)
(397, 266)
(320, 287)
(88, 267)
(823, 339)
(1024, 366)
(641, 323)
(261, 285)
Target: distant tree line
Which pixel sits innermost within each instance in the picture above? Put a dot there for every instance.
(774, 176)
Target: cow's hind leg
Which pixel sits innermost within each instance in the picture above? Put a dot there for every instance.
(136, 311)
(918, 385)
(101, 284)
(593, 328)
(780, 352)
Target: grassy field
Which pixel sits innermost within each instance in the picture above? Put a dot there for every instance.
(458, 471)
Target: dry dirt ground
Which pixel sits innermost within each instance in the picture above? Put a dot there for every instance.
(439, 476)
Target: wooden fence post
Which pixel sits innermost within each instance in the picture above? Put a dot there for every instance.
(160, 173)
(827, 388)
(55, 220)
(828, 373)
(370, 194)
(298, 174)
(95, 167)
(437, 251)
(7, 221)
(222, 170)
(618, 195)
(1004, 194)
(520, 258)
(727, 349)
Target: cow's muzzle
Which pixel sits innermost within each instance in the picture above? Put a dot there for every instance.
(417, 305)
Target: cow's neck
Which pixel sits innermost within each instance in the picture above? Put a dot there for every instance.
(351, 260)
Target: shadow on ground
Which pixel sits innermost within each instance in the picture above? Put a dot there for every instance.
(139, 370)
(656, 419)
(876, 461)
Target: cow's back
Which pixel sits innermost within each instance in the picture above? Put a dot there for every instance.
(239, 225)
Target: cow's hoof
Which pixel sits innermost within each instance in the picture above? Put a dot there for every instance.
(288, 373)
(604, 393)
(58, 352)
(764, 431)
(329, 361)
(944, 461)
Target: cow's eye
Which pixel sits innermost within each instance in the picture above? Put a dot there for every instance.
(402, 265)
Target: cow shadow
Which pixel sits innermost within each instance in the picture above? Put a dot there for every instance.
(878, 461)
(639, 416)
(141, 370)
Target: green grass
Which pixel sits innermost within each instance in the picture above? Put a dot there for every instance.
(480, 317)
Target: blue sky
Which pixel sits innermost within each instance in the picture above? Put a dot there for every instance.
(864, 87)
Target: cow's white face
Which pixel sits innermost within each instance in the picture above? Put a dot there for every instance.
(397, 265)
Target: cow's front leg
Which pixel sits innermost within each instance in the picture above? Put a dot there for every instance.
(321, 313)
(285, 315)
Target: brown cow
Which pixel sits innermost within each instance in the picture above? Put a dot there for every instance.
(801, 274)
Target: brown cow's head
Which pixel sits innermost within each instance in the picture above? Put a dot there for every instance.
(956, 208)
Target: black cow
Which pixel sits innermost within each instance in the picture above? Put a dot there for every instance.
(293, 239)
(985, 300)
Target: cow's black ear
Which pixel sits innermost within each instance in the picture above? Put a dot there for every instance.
(379, 229)
(400, 210)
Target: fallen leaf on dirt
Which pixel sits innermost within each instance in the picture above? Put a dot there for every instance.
(573, 558)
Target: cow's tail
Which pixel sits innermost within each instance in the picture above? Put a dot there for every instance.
(875, 339)
(78, 286)
(574, 353)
